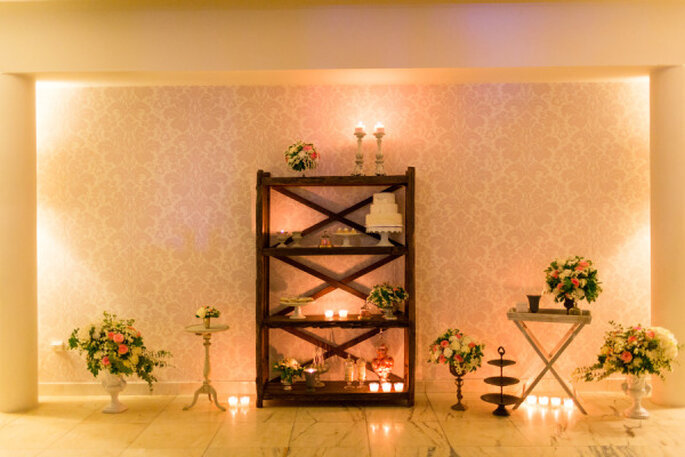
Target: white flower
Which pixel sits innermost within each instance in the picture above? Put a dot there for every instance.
(455, 345)
(448, 352)
(201, 312)
(466, 340)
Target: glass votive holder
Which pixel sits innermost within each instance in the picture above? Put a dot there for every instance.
(245, 401)
(342, 313)
(232, 401)
(543, 401)
(386, 386)
(555, 401)
(374, 386)
(531, 400)
(568, 403)
(399, 386)
(328, 314)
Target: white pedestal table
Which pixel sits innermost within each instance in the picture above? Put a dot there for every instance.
(206, 384)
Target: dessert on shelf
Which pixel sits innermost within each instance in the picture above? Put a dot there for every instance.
(384, 217)
(297, 303)
(347, 234)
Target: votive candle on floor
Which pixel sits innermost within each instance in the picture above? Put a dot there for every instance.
(342, 313)
(568, 403)
(556, 402)
(245, 401)
(373, 386)
(232, 401)
(387, 387)
(328, 313)
(544, 401)
(531, 400)
(399, 386)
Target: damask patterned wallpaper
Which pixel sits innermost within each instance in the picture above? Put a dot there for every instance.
(146, 207)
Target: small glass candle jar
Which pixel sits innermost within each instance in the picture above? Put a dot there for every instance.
(531, 400)
(555, 401)
(342, 313)
(386, 386)
(373, 386)
(568, 403)
(328, 313)
(233, 401)
(245, 401)
(399, 386)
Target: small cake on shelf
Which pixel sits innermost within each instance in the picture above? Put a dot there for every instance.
(384, 218)
(297, 303)
(346, 234)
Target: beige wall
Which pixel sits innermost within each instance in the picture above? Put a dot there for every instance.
(146, 208)
(68, 37)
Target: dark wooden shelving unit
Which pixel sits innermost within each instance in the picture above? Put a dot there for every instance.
(271, 389)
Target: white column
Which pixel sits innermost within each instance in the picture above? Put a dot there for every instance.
(668, 218)
(18, 309)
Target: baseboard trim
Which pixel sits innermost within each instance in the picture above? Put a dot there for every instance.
(471, 384)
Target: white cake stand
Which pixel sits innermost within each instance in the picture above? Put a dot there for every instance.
(346, 237)
(385, 231)
(297, 304)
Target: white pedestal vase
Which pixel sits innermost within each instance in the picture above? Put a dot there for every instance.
(636, 388)
(114, 384)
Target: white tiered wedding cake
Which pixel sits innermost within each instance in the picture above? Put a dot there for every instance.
(384, 217)
(383, 212)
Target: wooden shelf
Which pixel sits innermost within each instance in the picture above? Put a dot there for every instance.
(320, 321)
(336, 181)
(352, 250)
(333, 391)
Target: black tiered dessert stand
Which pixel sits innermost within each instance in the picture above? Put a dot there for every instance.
(501, 399)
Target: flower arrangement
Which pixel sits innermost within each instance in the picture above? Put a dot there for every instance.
(633, 350)
(574, 279)
(456, 349)
(288, 368)
(116, 346)
(384, 296)
(301, 156)
(206, 312)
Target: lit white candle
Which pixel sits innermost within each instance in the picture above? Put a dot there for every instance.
(342, 313)
(399, 386)
(245, 401)
(531, 399)
(544, 401)
(556, 401)
(359, 128)
(328, 313)
(233, 401)
(386, 386)
(568, 403)
(379, 128)
(373, 386)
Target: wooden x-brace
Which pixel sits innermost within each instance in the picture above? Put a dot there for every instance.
(549, 359)
(332, 215)
(337, 350)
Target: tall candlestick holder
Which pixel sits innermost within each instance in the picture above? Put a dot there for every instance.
(380, 170)
(359, 158)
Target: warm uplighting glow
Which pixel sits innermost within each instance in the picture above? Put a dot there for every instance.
(245, 401)
(531, 400)
(568, 403)
(373, 386)
(544, 401)
(386, 386)
(328, 313)
(556, 402)
(399, 386)
(386, 428)
(342, 313)
(233, 401)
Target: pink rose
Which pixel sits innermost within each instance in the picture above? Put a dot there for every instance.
(105, 360)
(118, 338)
(555, 274)
(442, 359)
(459, 335)
(306, 147)
(632, 338)
(123, 349)
(459, 358)
(472, 345)
(637, 327)
(560, 285)
(110, 335)
(444, 343)
(582, 265)
(575, 282)
(626, 356)
(650, 334)
(435, 347)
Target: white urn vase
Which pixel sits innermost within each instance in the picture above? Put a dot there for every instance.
(636, 388)
(114, 384)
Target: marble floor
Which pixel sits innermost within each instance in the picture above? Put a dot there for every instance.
(157, 426)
